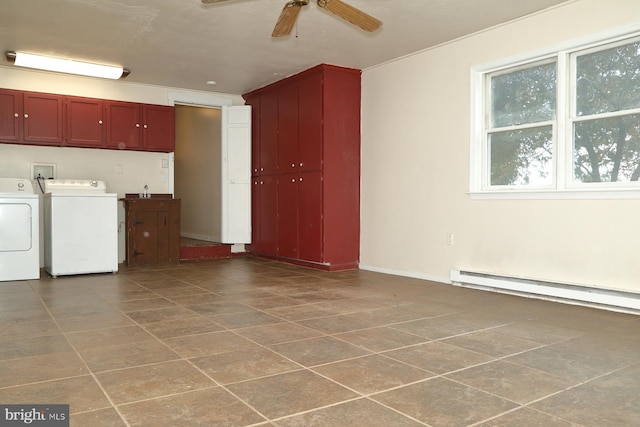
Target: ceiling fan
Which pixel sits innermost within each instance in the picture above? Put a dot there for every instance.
(290, 12)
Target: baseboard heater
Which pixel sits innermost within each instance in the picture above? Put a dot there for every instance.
(575, 294)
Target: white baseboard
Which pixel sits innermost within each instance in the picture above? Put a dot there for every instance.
(404, 273)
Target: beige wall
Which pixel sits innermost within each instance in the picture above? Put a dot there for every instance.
(198, 171)
(415, 170)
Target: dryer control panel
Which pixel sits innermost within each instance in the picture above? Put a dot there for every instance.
(16, 186)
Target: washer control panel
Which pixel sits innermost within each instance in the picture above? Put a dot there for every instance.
(74, 186)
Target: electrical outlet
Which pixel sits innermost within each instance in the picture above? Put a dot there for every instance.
(450, 239)
(43, 170)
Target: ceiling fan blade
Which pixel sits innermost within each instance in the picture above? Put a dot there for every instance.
(288, 18)
(351, 14)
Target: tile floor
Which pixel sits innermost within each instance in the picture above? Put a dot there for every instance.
(251, 342)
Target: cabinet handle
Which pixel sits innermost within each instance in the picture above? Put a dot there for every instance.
(301, 164)
(16, 115)
(261, 182)
(300, 179)
(99, 122)
(293, 180)
(261, 169)
(145, 126)
(293, 165)
(26, 116)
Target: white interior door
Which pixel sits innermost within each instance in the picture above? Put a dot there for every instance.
(236, 174)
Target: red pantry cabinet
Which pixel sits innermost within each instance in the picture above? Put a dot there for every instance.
(310, 123)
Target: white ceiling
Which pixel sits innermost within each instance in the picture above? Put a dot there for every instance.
(184, 43)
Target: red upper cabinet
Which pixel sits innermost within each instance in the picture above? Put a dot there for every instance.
(85, 122)
(254, 102)
(31, 117)
(300, 125)
(268, 148)
(158, 128)
(122, 125)
(10, 115)
(133, 126)
(288, 129)
(43, 118)
(310, 105)
(58, 120)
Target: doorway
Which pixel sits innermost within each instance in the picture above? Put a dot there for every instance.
(197, 171)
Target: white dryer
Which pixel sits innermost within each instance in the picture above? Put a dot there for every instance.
(19, 230)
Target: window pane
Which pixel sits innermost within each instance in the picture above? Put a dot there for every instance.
(522, 157)
(524, 96)
(607, 150)
(608, 80)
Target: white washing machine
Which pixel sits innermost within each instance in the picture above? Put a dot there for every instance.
(80, 227)
(19, 230)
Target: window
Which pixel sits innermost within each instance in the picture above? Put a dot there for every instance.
(569, 121)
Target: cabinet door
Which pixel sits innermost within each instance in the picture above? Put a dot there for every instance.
(268, 217)
(310, 230)
(310, 123)
(10, 115)
(84, 122)
(288, 129)
(43, 115)
(288, 215)
(158, 132)
(123, 125)
(255, 134)
(146, 235)
(255, 214)
(269, 133)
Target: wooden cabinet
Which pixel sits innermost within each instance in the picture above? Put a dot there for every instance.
(123, 125)
(58, 120)
(140, 126)
(153, 230)
(31, 118)
(43, 118)
(268, 147)
(264, 210)
(85, 122)
(309, 224)
(158, 122)
(11, 115)
(316, 203)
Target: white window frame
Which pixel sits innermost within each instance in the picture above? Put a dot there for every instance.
(562, 186)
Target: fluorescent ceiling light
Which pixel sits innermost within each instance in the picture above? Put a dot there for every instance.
(68, 66)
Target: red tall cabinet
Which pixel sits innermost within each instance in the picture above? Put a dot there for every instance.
(306, 168)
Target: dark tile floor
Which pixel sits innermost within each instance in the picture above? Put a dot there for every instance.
(253, 342)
